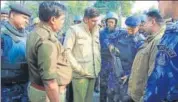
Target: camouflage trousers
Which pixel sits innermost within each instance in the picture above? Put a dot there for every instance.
(117, 91)
(104, 74)
(14, 93)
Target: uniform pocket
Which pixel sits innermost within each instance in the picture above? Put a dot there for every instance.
(81, 41)
(83, 46)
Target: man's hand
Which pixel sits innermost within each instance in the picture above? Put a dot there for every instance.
(111, 48)
(124, 78)
(52, 90)
(114, 50)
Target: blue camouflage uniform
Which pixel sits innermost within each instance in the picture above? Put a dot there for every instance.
(106, 63)
(115, 71)
(14, 69)
(127, 45)
(162, 84)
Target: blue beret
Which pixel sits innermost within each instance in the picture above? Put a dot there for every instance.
(20, 9)
(4, 12)
(133, 21)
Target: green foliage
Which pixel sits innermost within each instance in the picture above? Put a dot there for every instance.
(126, 7)
(152, 8)
(32, 5)
(123, 7)
(74, 8)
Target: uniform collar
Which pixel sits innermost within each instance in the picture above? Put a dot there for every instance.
(132, 35)
(87, 28)
(152, 36)
(47, 27)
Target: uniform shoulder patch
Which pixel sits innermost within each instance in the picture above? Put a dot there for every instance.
(169, 51)
(43, 34)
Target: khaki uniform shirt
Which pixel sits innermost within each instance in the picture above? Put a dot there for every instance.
(46, 57)
(83, 50)
(143, 65)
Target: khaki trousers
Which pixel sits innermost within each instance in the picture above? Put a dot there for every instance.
(83, 89)
(36, 95)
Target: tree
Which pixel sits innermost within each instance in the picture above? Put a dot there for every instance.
(115, 6)
(74, 8)
(31, 5)
(122, 8)
(153, 8)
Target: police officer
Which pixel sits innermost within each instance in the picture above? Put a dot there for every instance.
(111, 20)
(14, 73)
(4, 16)
(127, 43)
(162, 84)
(83, 47)
(49, 68)
(144, 60)
(133, 25)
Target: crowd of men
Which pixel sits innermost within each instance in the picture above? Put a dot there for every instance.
(133, 64)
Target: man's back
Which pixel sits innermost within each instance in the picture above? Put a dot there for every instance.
(44, 37)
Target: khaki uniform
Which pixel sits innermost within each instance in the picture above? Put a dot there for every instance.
(83, 50)
(143, 65)
(46, 59)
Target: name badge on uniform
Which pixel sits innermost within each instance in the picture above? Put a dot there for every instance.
(167, 50)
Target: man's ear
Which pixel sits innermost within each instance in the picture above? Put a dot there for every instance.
(52, 20)
(85, 20)
(153, 21)
(12, 14)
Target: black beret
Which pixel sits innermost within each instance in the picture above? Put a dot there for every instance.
(20, 9)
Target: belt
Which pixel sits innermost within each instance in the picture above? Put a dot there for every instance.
(39, 87)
